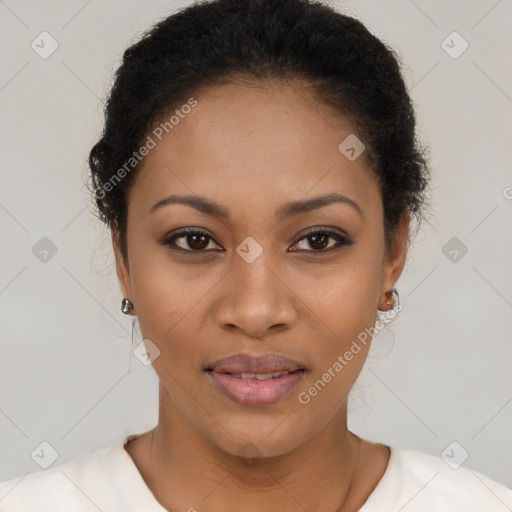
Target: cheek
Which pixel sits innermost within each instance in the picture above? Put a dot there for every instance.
(339, 348)
(159, 285)
(345, 310)
(346, 296)
(170, 306)
(161, 299)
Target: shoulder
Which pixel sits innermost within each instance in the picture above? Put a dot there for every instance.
(69, 486)
(416, 481)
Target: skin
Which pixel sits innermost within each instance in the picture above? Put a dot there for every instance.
(252, 148)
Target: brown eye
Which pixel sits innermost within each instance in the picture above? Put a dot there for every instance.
(318, 241)
(190, 241)
(197, 241)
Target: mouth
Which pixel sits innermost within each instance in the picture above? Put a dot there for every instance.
(261, 376)
(255, 381)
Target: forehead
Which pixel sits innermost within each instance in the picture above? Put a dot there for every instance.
(254, 144)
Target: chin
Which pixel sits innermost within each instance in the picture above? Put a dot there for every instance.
(256, 436)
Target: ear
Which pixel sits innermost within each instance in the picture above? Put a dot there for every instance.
(122, 266)
(394, 259)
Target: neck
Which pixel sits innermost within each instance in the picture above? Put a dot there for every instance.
(187, 470)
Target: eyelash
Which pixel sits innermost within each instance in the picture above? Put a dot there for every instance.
(342, 240)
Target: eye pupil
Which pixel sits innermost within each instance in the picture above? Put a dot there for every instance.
(319, 240)
(193, 242)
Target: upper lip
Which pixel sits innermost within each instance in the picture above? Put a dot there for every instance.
(245, 363)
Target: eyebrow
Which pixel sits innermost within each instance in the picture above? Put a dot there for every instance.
(286, 211)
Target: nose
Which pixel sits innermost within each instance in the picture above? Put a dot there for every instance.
(257, 299)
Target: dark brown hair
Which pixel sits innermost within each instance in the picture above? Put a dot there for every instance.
(347, 67)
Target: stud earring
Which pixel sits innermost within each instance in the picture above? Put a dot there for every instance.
(392, 299)
(394, 294)
(126, 306)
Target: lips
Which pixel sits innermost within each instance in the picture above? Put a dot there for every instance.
(259, 376)
(253, 381)
(264, 364)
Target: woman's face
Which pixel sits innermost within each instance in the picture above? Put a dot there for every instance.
(252, 282)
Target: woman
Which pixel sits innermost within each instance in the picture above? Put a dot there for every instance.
(259, 172)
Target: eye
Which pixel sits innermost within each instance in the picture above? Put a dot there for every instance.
(195, 239)
(318, 240)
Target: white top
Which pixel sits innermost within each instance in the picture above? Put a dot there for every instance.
(108, 481)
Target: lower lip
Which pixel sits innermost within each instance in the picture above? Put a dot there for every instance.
(255, 392)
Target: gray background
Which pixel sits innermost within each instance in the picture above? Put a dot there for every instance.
(440, 374)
